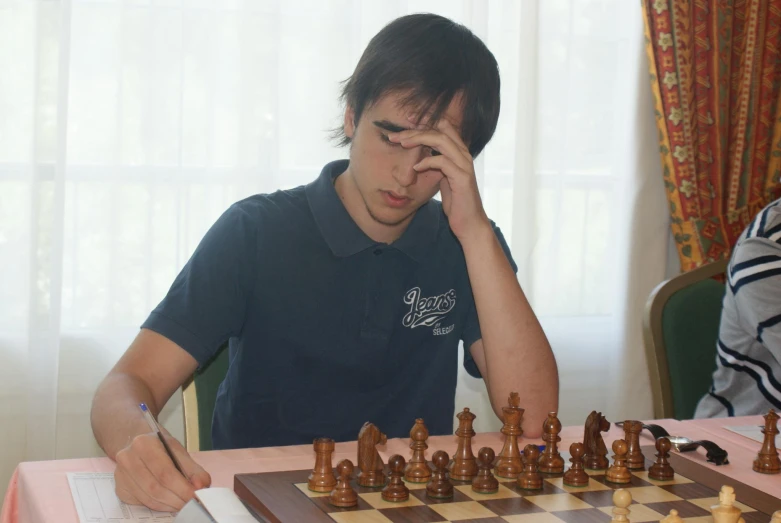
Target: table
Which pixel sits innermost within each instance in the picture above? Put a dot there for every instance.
(39, 491)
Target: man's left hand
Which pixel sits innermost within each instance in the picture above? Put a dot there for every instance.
(460, 196)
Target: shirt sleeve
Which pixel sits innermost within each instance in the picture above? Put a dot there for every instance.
(471, 332)
(755, 281)
(207, 302)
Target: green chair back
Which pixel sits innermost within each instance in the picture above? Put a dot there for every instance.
(681, 331)
(198, 397)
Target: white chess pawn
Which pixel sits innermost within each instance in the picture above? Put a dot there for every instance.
(673, 517)
(776, 518)
(726, 511)
(621, 501)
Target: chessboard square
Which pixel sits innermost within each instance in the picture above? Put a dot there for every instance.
(684, 508)
(422, 514)
(555, 502)
(592, 485)
(375, 500)
(463, 511)
(457, 497)
(596, 498)
(365, 490)
(677, 479)
(324, 504)
(637, 513)
(502, 493)
(492, 519)
(651, 495)
(414, 486)
(691, 491)
(360, 516)
(701, 519)
(547, 488)
(310, 493)
(590, 515)
(754, 517)
(511, 506)
(634, 481)
(707, 503)
(537, 517)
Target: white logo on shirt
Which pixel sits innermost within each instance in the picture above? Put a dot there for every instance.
(427, 311)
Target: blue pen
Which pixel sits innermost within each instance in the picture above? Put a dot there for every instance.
(156, 428)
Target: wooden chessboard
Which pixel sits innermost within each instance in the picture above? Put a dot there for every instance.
(284, 497)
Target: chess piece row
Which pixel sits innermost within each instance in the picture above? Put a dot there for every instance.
(438, 486)
(510, 465)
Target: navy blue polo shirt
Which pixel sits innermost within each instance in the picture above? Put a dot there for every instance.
(328, 329)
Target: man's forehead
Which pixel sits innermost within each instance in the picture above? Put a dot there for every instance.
(401, 111)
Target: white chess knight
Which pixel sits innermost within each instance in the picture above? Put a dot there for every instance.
(726, 511)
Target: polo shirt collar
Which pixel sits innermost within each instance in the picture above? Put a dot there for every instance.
(343, 235)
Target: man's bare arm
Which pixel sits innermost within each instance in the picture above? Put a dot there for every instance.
(150, 371)
(513, 354)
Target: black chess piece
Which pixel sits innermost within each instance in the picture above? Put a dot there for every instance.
(485, 482)
(343, 495)
(396, 490)
(439, 486)
(662, 470)
(530, 478)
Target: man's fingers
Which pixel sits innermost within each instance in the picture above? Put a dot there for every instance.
(436, 140)
(168, 477)
(123, 492)
(447, 128)
(197, 476)
(143, 484)
(130, 490)
(443, 164)
(201, 480)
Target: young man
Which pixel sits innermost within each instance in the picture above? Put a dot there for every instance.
(344, 301)
(747, 379)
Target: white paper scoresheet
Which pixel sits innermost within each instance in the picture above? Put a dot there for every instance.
(753, 432)
(96, 502)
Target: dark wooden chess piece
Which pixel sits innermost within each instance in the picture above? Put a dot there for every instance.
(439, 487)
(508, 464)
(530, 478)
(576, 476)
(618, 472)
(634, 456)
(370, 464)
(485, 482)
(767, 461)
(344, 495)
(396, 490)
(662, 470)
(464, 466)
(417, 470)
(550, 461)
(322, 478)
(595, 457)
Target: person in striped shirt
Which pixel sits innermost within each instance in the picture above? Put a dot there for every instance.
(747, 379)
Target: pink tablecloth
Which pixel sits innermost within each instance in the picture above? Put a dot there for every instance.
(39, 491)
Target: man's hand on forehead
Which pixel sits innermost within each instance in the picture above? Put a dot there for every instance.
(460, 196)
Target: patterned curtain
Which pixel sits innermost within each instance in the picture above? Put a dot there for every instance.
(715, 76)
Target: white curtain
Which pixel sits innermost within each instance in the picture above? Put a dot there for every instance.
(128, 126)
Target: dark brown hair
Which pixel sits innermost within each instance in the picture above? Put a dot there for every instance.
(430, 59)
